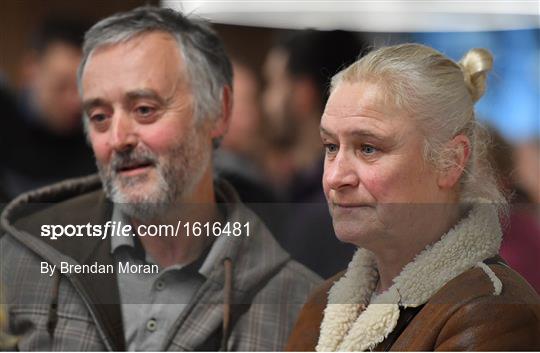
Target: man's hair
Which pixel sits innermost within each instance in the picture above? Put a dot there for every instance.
(58, 30)
(207, 66)
(319, 55)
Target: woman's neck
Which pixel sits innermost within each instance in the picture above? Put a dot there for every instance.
(391, 260)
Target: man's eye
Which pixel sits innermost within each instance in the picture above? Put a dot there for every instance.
(331, 148)
(98, 118)
(144, 110)
(368, 150)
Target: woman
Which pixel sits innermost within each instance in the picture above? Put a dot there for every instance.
(407, 182)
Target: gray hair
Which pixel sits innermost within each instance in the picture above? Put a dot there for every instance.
(440, 95)
(207, 65)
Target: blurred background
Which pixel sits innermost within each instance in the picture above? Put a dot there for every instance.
(284, 54)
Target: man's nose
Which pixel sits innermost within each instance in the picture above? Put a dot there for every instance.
(122, 133)
(340, 173)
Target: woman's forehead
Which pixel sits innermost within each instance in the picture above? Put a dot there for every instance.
(362, 109)
(358, 99)
(364, 100)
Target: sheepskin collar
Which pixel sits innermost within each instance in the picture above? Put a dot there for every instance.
(353, 321)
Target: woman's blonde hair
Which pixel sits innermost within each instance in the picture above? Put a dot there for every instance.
(440, 94)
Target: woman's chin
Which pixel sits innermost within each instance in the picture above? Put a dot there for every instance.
(347, 235)
(352, 235)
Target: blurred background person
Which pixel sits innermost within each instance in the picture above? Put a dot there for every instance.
(238, 159)
(41, 137)
(527, 157)
(243, 136)
(242, 147)
(297, 72)
(521, 229)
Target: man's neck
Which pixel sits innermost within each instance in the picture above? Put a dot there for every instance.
(176, 244)
(181, 247)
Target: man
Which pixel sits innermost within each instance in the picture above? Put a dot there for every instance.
(297, 72)
(156, 91)
(42, 141)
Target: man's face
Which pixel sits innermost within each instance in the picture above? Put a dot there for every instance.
(375, 178)
(149, 149)
(55, 87)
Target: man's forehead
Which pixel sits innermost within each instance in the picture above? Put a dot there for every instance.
(151, 60)
(154, 38)
(157, 46)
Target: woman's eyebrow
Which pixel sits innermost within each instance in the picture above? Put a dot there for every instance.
(358, 133)
(326, 132)
(365, 134)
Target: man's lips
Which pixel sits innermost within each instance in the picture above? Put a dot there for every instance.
(134, 168)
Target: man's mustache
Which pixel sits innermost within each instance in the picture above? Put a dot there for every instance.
(131, 159)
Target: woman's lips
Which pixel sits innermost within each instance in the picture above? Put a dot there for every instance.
(350, 205)
(349, 208)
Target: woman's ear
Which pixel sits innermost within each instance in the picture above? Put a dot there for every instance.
(221, 125)
(458, 152)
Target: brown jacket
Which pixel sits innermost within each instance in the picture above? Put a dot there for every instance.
(448, 298)
(463, 315)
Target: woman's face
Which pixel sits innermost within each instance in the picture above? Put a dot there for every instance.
(375, 178)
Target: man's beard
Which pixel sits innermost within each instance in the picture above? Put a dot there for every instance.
(178, 171)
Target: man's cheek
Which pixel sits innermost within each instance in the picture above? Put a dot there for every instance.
(101, 151)
(161, 139)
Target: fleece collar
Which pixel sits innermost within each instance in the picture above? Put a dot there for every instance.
(353, 321)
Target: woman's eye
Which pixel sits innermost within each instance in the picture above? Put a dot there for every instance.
(331, 148)
(368, 150)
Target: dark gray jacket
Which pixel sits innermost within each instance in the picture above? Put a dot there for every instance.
(80, 312)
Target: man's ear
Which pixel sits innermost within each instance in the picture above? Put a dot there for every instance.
(457, 155)
(222, 123)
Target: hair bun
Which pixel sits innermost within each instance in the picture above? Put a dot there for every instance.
(475, 66)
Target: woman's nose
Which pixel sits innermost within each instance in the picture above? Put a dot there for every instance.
(340, 173)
